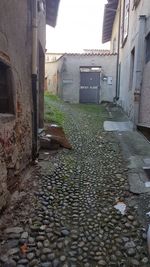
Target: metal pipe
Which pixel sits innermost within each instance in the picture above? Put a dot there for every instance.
(34, 77)
(34, 36)
(118, 54)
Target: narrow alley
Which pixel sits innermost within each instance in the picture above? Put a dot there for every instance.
(67, 216)
(74, 133)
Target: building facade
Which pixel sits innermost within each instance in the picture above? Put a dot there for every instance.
(52, 70)
(22, 63)
(83, 78)
(52, 57)
(127, 27)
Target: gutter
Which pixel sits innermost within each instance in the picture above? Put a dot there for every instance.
(34, 78)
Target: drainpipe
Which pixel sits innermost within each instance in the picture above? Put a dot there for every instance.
(118, 55)
(34, 77)
(139, 62)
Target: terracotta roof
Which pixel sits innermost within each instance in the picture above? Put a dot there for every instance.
(51, 12)
(104, 53)
(83, 54)
(86, 51)
(109, 16)
(55, 54)
(96, 50)
(91, 54)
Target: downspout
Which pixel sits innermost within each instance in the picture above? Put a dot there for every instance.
(139, 65)
(118, 55)
(34, 76)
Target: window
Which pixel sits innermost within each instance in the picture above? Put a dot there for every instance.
(41, 6)
(114, 50)
(125, 23)
(132, 68)
(148, 48)
(135, 3)
(6, 98)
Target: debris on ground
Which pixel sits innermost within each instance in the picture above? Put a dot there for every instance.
(53, 138)
(121, 207)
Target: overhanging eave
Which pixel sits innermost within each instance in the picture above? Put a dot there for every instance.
(109, 16)
(51, 12)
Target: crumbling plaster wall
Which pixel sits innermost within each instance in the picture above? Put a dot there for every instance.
(16, 129)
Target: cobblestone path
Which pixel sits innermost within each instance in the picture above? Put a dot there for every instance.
(74, 222)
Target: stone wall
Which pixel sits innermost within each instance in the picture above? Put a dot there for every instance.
(4, 194)
(16, 50)
(16, 128)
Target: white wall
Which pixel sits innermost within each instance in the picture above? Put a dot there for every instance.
(71, 75)
(52, 73)
(127, 92)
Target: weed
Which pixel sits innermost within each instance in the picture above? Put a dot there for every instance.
(51, 113)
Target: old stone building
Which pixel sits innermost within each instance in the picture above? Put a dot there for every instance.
(127, 26)
(83, 78)
(22, 62)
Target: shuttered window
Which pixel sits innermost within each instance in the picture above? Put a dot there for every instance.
(125, 22)
(6, 97)
(135, 3)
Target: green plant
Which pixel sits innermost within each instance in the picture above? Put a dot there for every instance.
(52, 114)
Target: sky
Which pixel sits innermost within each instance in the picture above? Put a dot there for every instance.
(79, 26)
